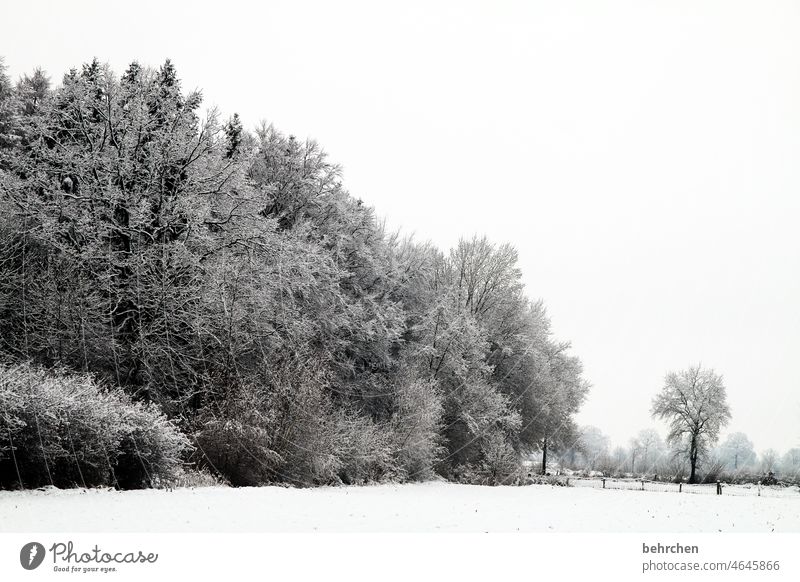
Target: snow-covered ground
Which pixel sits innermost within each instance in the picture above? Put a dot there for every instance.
(394, 508)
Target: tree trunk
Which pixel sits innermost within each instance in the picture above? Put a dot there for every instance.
(693, 460)
(544, 457)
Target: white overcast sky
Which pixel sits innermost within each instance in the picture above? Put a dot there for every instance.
(643, 156)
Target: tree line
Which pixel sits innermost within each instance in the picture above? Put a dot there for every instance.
(225, 282)
(694, 403)
(648, 454)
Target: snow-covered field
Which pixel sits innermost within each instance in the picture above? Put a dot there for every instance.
(393, 508)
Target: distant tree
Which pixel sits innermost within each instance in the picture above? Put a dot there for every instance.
(736, 451)
(694, 403)
(769, 461)
(790, 464)
(593, 445)
(619, 457)
(650, 447)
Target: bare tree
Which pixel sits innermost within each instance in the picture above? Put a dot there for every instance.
(694, 403)
(769, 461)
(651, 448)
(593, 445)
(619, 456)
(790, 464)
(737, 451)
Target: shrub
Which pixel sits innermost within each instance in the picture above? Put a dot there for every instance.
(714, 471)
(234, 440)
(191, 477)
(363, 450)
(63, 429)
(480, 425)
(291, 434)
(501, 463)
(555, 480)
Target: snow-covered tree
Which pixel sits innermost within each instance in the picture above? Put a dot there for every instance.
(694, 404)
(648, 448)
(593, 445)
(5, 82)
(790, 464)
(619, 458)
(230, 278)
(768, 461)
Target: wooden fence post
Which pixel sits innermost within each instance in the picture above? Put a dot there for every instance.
(719, 488)
(680, 487)
(642, 484)
(759, 488)
(604, 482)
